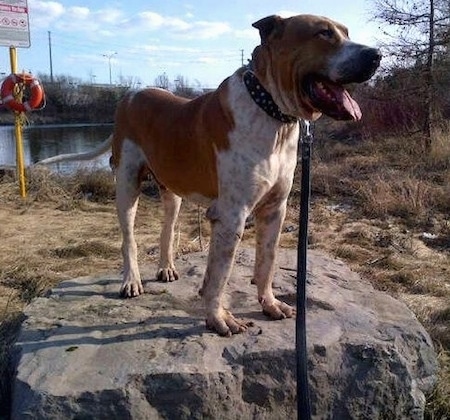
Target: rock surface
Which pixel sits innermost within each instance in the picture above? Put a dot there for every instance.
(85, 353)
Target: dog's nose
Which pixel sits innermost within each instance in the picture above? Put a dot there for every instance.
(364, 66)
(371, 56)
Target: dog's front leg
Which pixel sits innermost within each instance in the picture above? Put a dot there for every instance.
(269, 220)
(225, 236)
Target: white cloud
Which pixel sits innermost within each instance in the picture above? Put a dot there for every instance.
(109, 15)
(176, 24)
(43, 13)
(77, 19)
(205, 30)
(77, 12)
(148, 21)
(152, 20)
(48, 14)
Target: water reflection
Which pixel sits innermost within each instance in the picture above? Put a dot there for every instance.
(45, 141)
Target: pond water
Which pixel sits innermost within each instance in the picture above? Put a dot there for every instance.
(44, 141)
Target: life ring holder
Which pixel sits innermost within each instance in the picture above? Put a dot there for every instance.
(9, 94)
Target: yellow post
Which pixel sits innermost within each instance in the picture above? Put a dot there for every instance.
(18, 130)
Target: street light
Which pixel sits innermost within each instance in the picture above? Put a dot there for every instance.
(109, 56)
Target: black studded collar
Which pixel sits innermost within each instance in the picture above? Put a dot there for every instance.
(264, 99)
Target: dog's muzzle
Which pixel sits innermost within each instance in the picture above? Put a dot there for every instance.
(326, 92)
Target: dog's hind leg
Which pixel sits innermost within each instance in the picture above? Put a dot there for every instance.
(171, 204)
(127, 198)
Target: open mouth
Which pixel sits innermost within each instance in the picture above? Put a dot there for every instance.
(331, 98)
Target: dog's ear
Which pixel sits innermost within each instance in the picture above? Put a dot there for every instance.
(268, 26)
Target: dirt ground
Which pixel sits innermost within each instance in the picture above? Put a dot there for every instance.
(46, 239)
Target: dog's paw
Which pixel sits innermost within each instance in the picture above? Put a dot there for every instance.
(225, 324)
(131, 289)
(277, 310)
(168, 274)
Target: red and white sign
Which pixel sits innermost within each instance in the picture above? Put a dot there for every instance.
(14, 23)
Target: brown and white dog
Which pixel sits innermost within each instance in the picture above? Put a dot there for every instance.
(234, 150)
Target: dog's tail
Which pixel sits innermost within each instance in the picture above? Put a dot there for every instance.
(99, 150)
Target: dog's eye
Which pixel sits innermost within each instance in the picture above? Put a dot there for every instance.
(326, 33)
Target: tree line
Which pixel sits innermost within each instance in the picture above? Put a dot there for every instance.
(70, 100)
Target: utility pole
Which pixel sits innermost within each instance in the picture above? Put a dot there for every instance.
(50, 55)
(242, 58)
(109, 56)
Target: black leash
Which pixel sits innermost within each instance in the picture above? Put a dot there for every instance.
(303, 400)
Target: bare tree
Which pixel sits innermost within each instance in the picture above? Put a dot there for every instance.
(162, 81)
(182, 87)
(417, 32)
(131, 82)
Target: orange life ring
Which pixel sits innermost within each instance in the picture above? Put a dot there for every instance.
(36, 96)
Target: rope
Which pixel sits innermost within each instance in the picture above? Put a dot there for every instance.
(19, 92)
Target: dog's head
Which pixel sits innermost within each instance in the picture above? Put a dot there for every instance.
(305, 60)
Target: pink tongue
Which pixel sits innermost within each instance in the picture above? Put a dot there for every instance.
(335, 101)
(351, 106)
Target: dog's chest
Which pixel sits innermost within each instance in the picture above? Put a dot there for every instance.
(264, 150)
(260, 147)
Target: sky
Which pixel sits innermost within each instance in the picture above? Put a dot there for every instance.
(202, 40)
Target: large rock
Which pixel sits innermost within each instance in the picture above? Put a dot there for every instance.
(85, 353)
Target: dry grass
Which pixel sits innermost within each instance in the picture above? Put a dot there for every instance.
(438, 401)
(388, 194)
(372, 203)
(439, 158)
